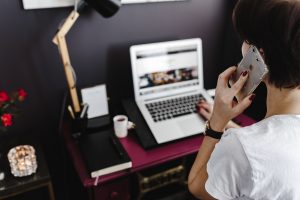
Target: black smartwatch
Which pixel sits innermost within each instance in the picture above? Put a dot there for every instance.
(211, 133)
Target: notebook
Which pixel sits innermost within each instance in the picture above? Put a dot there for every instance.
(103, 153)
(168, 83)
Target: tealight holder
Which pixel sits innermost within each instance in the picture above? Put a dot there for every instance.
(22, 160)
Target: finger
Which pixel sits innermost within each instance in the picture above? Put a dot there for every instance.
(206, 106)
(237, 86)
(245, 103)
(224, 76)
(200, 102)
(204, 113)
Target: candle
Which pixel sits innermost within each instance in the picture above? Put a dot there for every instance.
(22, 160)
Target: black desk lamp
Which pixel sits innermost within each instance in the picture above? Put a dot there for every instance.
(106, 8)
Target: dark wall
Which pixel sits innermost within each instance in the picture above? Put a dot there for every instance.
(99, 51)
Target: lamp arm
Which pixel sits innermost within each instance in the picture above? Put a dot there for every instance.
(60, 40)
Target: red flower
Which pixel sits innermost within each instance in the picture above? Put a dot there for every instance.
(22, 94)
(3, 96)
(6, 119)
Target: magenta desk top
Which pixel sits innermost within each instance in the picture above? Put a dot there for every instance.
(141, 159)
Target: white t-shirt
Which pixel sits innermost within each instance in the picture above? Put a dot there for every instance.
(260, 162)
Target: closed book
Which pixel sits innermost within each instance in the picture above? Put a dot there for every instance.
(103, 153)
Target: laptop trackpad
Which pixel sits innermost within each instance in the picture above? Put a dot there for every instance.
(191, 125)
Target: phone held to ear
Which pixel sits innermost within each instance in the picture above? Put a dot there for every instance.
(257, 70)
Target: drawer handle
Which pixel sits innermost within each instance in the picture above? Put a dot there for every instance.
(114, 195)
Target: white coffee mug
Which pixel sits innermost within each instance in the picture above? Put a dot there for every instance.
(121, 125)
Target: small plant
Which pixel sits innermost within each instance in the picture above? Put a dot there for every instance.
(9, 107)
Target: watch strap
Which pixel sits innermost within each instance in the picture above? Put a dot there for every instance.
(211, 133)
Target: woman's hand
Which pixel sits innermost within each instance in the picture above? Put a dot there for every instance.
(205, 109)
(225, 106)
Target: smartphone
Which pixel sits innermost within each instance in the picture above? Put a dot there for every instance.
(257, 70)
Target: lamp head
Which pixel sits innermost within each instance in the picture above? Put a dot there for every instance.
(106, 8)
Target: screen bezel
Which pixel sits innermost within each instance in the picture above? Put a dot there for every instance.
(165, 45)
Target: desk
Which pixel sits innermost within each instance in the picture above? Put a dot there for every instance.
(12, 186)
(117, 185)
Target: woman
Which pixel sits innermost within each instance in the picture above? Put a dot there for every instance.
(260, 161)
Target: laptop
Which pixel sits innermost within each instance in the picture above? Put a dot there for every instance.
(168, 83)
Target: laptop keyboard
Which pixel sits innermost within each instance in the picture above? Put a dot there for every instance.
(172, 108)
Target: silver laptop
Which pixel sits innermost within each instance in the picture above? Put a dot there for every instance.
(168, 83)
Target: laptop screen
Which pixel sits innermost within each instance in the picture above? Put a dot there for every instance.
(163, 69)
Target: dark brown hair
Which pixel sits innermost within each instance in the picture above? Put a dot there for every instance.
(274, 26)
